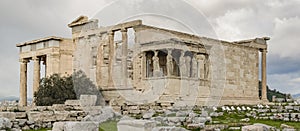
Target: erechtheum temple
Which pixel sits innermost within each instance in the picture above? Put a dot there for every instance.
(161, 66)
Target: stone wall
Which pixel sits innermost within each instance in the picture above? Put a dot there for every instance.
(37, 117)
(71, 113)
(42, 116)
(230, 74)
(242, 69)
(233, 71)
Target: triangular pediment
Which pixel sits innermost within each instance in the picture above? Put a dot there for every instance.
(79, 20)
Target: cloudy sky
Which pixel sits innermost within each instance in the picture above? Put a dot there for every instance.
(229, 20)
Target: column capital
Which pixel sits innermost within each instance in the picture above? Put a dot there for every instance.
(110, 33)
(263, 50)
(76, 39)
(182, 52)
(99, 35)
(123, 30)
(35, 58)
(170, 49)
(87, 38)
(143, 52)
(155, 52)
(23, 60)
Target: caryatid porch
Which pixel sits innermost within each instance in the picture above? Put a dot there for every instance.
(174, 58)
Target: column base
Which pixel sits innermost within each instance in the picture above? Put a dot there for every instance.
(264, 101)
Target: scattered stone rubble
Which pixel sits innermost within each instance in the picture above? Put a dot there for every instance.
(42, 117)
(24, 118)
(62, 117)
(201, 118)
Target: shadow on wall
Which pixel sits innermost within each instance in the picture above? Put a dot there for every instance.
(84, 86)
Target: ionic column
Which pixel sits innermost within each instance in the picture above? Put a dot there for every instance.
(169, 62)
(23, 82)
(43, 61)
(263, 74)
(111, 57)
(124, 52)
(36, 74)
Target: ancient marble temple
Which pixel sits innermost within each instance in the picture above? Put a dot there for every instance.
(159, 66)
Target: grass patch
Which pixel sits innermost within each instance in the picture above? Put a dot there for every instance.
(228, 118)
(198, 111)
(171, 115)
(108, 126)
(156, 114)
(234, 119)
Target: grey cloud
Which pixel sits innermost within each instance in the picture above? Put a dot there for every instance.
(282, 65)
(283, 83)
(176, 9)
(215, 8)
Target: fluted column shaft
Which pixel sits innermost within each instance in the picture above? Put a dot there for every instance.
(264, 74)
(23, 83)
(36, 76)
(111, 57)
(124, 52)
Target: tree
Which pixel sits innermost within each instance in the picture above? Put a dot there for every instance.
(271, 93)
(54, 90)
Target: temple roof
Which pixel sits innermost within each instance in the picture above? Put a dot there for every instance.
(40, 40)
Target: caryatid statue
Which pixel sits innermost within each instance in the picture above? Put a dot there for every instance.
(206, 67)
(194, 66)
(182, 64)
(118, 52)
(188, 66)
(156, 68)
(169, 62)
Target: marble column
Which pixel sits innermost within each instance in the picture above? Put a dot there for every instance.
(124, 53)
(36, 74)
(169, 63)
(23, 82)
(43, 61)
(263, 74)
(111, 57)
